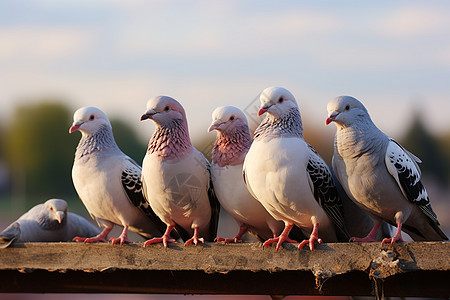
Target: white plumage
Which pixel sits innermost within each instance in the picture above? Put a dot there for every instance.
(287, 175)
(232, 144)
(108, 181)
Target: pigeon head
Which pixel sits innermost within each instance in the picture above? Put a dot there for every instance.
(54, 214)
(89, 120)
(164, 111)
(227, 118)
(345, 110)
(233, 136)
(171, 137)
(277, 101)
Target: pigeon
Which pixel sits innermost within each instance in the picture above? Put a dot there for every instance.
(232, 144)
(47, 222)
(176, 177)
(379, 175)
(357, 221)
(289, 177)
(108, 182)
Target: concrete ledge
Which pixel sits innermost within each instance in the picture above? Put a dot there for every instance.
(419, 269)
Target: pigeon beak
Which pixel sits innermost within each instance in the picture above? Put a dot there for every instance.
(264, 108)
(59, 216)
(214, 125)
(148, 114)
(331, 117)
(75, 126)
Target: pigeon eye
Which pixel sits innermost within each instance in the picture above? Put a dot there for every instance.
(232, 118)
(166, 108)
(281, 100)
(347, 107)
(91, 117)
(51, 208)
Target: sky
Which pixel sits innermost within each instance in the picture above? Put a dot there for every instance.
(394, 56)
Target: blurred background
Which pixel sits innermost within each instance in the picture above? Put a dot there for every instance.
(57, 56)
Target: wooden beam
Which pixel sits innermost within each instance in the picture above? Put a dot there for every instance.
(419, 269)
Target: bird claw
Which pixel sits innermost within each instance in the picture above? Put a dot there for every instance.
(227, 241)
(194, 240)
(118, 240)
(310, 242)
(391, 240)
(279, 240)
(94, 239)
(163, 239)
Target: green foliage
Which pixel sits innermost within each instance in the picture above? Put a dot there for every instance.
(38, 146)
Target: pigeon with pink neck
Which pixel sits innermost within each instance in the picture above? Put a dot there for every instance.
(232, 144)
(289, 177)
(176, 178)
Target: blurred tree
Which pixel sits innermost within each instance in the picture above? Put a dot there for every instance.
(39, 150)
(419, 141)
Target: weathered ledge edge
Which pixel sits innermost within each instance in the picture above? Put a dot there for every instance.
(408, 269)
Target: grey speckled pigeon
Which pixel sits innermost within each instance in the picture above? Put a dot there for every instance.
(47, 222)
(232, 144)
(287, 175)
(108, 181)
(176, 178)
(380, 175)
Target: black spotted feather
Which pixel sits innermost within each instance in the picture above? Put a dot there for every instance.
(132, 184)
(403, 167)
(325, 191)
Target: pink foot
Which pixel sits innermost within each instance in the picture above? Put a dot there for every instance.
(164, 239)
(313, 237)
(396, 237)
(123, 238)
(284, 237)
(227, 241)
(310, 241)
(237, 239)
(371, 237)
(101, 237)
(195, 239)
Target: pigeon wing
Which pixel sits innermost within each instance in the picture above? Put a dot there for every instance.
(403, 167)
(132, 184)
(325, 191)
(215, 209)
(9, 235)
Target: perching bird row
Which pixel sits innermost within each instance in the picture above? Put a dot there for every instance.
(275, 186)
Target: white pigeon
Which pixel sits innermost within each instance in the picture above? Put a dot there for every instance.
(287, 175)
(108, 181)
(176, 178)
(232, 144)
(47, 222)
(380, 175)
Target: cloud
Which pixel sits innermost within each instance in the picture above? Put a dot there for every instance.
(414, 21)
(41, 43)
